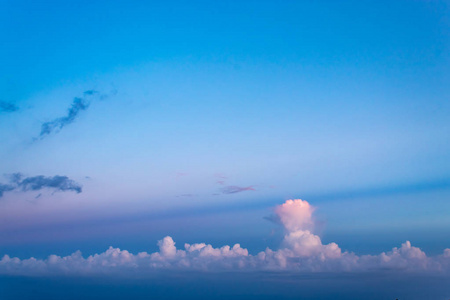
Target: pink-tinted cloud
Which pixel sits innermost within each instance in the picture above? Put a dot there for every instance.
(221, 178)
(220, 175)
(295, 215)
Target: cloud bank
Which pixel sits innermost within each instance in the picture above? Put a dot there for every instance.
(301, 251)
(57, 183)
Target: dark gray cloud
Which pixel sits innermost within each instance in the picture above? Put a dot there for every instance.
(36, 183)
(7, 107)
(232, 189)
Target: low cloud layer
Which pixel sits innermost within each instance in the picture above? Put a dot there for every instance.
(57, 183)
(301, 251)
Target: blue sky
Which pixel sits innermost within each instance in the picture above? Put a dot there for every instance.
(195, 119)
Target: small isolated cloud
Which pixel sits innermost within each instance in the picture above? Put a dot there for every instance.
(301, 251)
(36, 183)
(233, 189)
(90, 92)
(7, 107)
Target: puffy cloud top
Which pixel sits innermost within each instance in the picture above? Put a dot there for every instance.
(295, 215)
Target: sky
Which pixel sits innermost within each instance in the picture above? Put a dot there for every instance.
(139, 125)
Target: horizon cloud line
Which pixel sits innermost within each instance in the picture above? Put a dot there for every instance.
(301, 251)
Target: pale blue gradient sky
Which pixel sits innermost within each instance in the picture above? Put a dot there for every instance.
(345, 105)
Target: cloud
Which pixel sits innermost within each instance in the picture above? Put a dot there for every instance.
(78, 105)
(301, 251)
(220, 176)
(5, 188)
(90, 92)
(186, 195)
(36, 183)
(232, 189)
(7, 107)
(295, 215)
(60, 183)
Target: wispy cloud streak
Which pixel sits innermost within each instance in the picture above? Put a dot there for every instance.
(233, 189)
(79, 104)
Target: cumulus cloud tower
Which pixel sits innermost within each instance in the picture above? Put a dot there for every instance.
(295, 215)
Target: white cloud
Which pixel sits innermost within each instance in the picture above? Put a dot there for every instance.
(301, 251)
